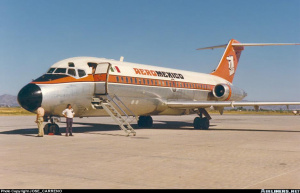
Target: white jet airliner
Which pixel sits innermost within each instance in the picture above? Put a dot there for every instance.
(103, 87)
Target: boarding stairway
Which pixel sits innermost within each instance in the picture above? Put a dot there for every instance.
(107, 103)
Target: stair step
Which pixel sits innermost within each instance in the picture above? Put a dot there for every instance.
(102, 103)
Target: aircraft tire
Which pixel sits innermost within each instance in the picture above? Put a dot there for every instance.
(205, 123)
(201, 123)
(197, 123)
(149, 121)
(141, 121)
(56, 130)
(46, 128)
(145, 121)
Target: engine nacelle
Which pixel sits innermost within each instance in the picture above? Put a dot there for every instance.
(224, 92)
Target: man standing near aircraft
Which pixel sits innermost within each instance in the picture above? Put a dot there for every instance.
(69, 114)
(39, 120)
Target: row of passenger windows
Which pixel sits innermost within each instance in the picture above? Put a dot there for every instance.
(153, 82)
(68, 71)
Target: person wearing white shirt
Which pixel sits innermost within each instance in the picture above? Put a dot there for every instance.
(69, 114)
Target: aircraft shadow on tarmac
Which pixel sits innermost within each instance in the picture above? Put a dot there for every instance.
(98, 127)
(189, 126)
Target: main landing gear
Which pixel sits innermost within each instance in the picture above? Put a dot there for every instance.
(52, 128)
(202, 122)
(145, 121)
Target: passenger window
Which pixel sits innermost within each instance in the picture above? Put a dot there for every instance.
(81, 73)
(51, 70)
(60, 70)
(71, 72)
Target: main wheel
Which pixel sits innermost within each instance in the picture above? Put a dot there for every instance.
(205, 123)
(141, 121)
(149, 121)
(145, 121)
(201, 123)
(197, 123)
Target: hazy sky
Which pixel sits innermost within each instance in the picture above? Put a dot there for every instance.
(34, 34)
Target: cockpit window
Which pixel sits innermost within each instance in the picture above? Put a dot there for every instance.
(50, 71)
(60, 71)
(81, 73)
(71, 64)
(71, 72)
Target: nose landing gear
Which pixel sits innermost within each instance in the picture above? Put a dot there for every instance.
(52, 128)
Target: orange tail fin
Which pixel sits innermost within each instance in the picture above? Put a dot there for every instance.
(229, 62)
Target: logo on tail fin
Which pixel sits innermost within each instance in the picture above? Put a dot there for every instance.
(230, 65)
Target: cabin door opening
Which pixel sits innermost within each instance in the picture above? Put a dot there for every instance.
(101, 75)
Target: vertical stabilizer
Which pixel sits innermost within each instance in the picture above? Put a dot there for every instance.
(229, 62)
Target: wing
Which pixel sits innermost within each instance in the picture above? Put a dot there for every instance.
(218, 104)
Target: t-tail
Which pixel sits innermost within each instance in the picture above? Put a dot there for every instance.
(230, 59)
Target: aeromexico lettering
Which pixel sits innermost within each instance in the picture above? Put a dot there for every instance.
(157, 73)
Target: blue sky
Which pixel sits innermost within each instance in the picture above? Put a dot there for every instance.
(34, 34)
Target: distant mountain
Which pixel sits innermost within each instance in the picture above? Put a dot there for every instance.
(8, 100)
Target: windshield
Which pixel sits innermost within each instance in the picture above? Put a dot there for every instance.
(81, 73)
(60, 71)
(51, 70)
(71, 72)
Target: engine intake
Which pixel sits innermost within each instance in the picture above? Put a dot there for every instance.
(224, 92)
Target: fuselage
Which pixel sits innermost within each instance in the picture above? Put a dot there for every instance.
(144, 89)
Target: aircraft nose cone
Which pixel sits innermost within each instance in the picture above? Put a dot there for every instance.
(30, 97)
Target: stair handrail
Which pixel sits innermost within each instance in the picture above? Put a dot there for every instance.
(112, 99)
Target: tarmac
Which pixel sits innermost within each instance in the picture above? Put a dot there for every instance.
(238, 152)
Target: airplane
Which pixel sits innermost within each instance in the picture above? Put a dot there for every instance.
(104, 87)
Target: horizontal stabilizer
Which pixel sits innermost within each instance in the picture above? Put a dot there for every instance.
(250, 44)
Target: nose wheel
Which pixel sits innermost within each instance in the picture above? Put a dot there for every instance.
(51, 128)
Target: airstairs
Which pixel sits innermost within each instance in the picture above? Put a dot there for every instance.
(115, 108)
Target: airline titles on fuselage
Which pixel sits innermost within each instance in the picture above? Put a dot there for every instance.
(158, 73)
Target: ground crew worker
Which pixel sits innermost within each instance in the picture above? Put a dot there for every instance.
(39, 120)
(69, 114)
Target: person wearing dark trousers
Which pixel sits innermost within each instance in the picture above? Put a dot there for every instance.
(69, 114)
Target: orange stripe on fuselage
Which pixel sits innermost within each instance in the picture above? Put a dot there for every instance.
(130, 80)
(68, 79)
